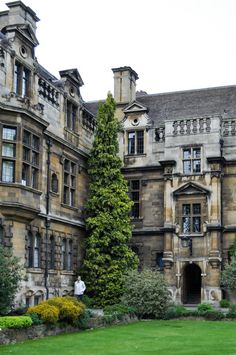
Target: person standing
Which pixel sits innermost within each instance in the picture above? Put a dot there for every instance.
(79, 288)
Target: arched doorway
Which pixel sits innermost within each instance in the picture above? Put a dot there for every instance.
(192, 284)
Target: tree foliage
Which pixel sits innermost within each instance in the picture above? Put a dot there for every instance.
(107, 254)
(147, 292)
(228, 277)
(10, 277)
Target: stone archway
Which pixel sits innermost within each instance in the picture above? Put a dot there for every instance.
(192, 284)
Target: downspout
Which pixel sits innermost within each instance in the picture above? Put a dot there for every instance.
(221, 202)
(47, 219)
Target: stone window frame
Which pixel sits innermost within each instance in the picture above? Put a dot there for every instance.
(70, 174)
(133, 145)
(191, 200)
(191, 159)
(52, 252)
(8, 157)
(67, 254)
(30, 159)
(34, 250)
(21, 79)
(133, 192)
(71, 116)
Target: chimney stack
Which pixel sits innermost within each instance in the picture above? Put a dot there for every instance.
(124, 84)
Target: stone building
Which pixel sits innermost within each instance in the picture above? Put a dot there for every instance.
(45, 132)
(179, 158)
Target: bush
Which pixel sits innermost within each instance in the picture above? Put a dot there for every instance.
(213, 315)
(232, 311)
(47, 313)
(35, 318)
(204, 307)
(176, 311)
(88, 301)
(82, 322)
(224, 303)
(147, 292)
(15, 322)
(228, 277)
(69, 308)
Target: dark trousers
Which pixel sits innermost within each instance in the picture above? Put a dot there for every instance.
(79, 297)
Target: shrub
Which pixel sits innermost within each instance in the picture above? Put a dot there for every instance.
(69, 308)
(147, 292)
(204, 307)
(224, 303)
(88, 301)
(9, 279)
(228, 277)
(213, 315)
(15, 322)
(82, 322)
(47, 313)
(232, 311)
(35, 318)
(176, 311)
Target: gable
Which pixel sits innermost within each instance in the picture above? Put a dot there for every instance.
(135, 106)
(191, 188)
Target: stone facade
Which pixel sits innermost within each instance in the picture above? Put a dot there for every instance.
(46, 134)
(178, 152)
(179, 157)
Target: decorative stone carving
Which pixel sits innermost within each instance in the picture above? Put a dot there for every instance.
(160, 134)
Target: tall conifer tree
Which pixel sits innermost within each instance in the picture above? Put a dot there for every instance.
(107, 254)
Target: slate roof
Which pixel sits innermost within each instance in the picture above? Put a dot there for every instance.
(186, 104)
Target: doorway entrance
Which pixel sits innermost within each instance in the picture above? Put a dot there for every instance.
(192, 284)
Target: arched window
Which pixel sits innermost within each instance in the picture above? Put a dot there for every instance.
(64, 264)
(37, 243)
(52, 252)
(70, 259)
(30, 250)
(54, 183)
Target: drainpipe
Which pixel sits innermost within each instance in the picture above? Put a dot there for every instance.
(221, 202)
(47, 219)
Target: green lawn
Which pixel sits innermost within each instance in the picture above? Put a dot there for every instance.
(148, 337)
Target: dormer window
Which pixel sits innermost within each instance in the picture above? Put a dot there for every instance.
(135, 142)
(191, 160)
(21, 80)
(71, 113)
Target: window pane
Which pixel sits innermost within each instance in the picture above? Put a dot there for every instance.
(26, 137)
(196, 224)
(72, 197)
(187, 153)
(186, 224)
(131, 143)
(135, 184)
(135, 210)
(35, 142)
(26, 154)
(25, 175)
(25, 82)
(9, 133)
(135, 196)
(67, 165)
(8, 168)
(196, 153)
(186, 209)
(187, 166)
(17, 76)
(35, 158)
(196, 208)
(140, 142)
(196, 166)
(34, 178)
(66, 195)
(8, 150)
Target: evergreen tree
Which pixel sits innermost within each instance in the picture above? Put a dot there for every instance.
(10, 276)
(107, 254)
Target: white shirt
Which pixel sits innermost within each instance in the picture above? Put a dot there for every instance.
(79, 287)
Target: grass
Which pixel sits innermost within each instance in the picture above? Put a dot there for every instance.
(172, 337)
